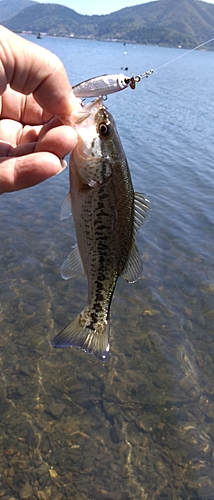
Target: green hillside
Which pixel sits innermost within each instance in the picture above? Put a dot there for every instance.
(164, 22)
(9, 8)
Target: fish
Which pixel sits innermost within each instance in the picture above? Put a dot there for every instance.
(107, 215)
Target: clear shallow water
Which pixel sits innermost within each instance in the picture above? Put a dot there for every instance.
(142, 425)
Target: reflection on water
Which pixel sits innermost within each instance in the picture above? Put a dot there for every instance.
(140, 426)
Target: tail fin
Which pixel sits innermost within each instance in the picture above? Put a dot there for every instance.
(83, 334)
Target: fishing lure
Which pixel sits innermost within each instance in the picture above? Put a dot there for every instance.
(99, 86)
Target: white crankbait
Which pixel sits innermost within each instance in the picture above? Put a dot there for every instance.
(100, 86)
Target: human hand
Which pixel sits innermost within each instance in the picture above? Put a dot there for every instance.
(34, 88)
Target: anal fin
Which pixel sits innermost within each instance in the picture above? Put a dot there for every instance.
(133, 269)
(72, 266)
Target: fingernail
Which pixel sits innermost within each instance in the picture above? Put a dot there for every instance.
(76, 107)
(75, 102)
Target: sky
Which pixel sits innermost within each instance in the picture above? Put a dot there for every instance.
(99, 7)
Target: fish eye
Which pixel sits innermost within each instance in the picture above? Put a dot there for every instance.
(104, 129)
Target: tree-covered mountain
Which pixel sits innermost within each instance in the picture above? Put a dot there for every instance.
(9, 8)
(164, 22)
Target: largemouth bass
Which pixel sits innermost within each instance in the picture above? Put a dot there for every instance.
(107, 214)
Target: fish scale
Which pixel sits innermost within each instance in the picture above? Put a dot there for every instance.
(95, 256)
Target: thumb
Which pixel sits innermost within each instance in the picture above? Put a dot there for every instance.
(29, 68)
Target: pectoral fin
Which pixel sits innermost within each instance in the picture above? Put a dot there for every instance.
(73, 265)
(133, 269)
(66, 210)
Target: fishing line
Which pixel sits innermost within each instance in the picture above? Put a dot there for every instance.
(185, 54)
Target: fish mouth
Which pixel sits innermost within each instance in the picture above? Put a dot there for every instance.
(94, 105)
(102, 114)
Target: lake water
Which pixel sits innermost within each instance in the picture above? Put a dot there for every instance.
(140, 426)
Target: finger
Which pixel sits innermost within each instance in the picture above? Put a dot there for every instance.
(27, 171)
(23, 109)
(52, 137)
(10, 131)
(59, 140)
(29, 68)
